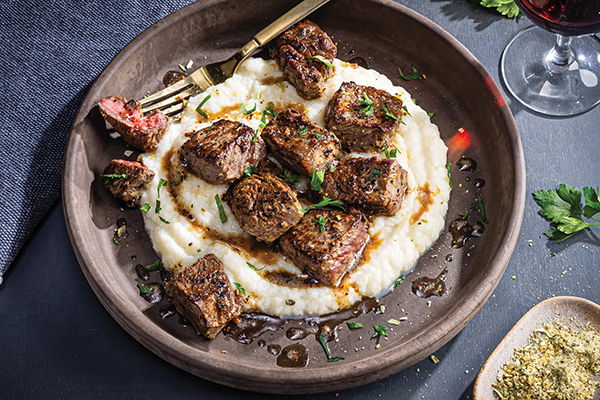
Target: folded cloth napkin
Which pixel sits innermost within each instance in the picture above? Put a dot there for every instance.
(51, 52)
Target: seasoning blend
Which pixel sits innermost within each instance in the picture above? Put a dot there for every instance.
(559, 363)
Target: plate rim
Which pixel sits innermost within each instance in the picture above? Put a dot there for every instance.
(221, 370)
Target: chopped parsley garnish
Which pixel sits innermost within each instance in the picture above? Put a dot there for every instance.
(263, 123)
(374, 173)
(115, 176)
(270, 110)
(389, 114)
(390, 153)
(380, 330)
(249, 171)
(245, 111)
(222, 214)
(398, 281)
(416, 101)
(155, 266)
(158, 207)
(325, 347)
(430, 114)
(161, 183)
(325, 202)
(321, 223)
(302, 130)
(354, 325)
(410, 76)
(368, 108)
(481, 208)
(289, 175)
(325, 61)
(316, 180)
(146, 207)
(406, 110)
(143, 288)
(164, 221)
(252, 267)
(117, 241)
(318, 135)
(199, 109)
(449, 170)
(464, 214)
(240, 288)
(562, 207)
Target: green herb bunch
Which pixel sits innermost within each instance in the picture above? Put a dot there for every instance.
(508, 8)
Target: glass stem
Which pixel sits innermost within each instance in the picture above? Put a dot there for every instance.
(561, 56)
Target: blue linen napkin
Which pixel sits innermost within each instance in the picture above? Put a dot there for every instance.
(50, 53)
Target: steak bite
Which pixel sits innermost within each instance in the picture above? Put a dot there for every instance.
(126, 180)
(203, 295)
(326, 244)
(375, 186)
(221, 152)
(362, 117)
(299, 144)
(126, 117)
(300, 52)
(264, 206)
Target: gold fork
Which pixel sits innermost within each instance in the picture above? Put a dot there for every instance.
(171, 99)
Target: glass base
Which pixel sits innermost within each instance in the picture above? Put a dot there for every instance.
(545, 87)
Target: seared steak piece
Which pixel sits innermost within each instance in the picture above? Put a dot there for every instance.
(297, 51)
(264, 206)
(326, 243)
(126, 117)
(357, 115)
(375, 186)
(221, 152)
(203, 295)
(299, 144)
(126, 180)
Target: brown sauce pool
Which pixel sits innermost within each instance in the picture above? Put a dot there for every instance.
(293, 356)
(224, 111)
(427, 287)
(272, 80)
(288, 279)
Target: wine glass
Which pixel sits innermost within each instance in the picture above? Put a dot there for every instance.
(555, 70)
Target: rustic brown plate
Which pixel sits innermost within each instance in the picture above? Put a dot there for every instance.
(385, 35)
(569, 310)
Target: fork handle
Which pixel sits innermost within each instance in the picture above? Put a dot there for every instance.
(288, 19)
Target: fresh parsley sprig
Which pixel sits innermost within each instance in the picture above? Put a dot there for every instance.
(325, 202)
(369, 107)
(562, 207)
(325, 347)
(508, 8)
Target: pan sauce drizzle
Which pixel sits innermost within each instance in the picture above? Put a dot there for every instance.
(425, 197)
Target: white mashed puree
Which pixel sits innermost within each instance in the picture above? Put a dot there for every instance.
(397, 242)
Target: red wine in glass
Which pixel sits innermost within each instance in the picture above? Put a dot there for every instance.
(564, 17)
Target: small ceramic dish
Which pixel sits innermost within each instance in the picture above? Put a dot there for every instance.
(569, 310)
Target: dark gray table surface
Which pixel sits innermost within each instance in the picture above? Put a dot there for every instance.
(57, 341)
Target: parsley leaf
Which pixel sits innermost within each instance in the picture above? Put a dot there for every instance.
(316, 180)
(325, 347)
(410, 76)
(390, 153)
(562, 207)
(249, 171)
(164, 221)
(406, 111)
(508, 8)
(143, 288)
(325, 61)
(325, 202)
(115, 176)
(252, 267)
(398, 281)
(464, 214)
(389, 114)
(592, 201)
(245, 111)
(154, 266)
(302, 130)
(240, 288)
(158, 207)
(354, 325)
(368, 108)
(321, 223)
(146, 207)
(222, 214)
(380, 330)
(199, 109)
(289, 175)
(161, 183)
(481, 208)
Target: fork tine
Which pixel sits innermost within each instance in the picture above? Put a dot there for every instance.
(174, 109)
(170, 100)
(169, 91)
